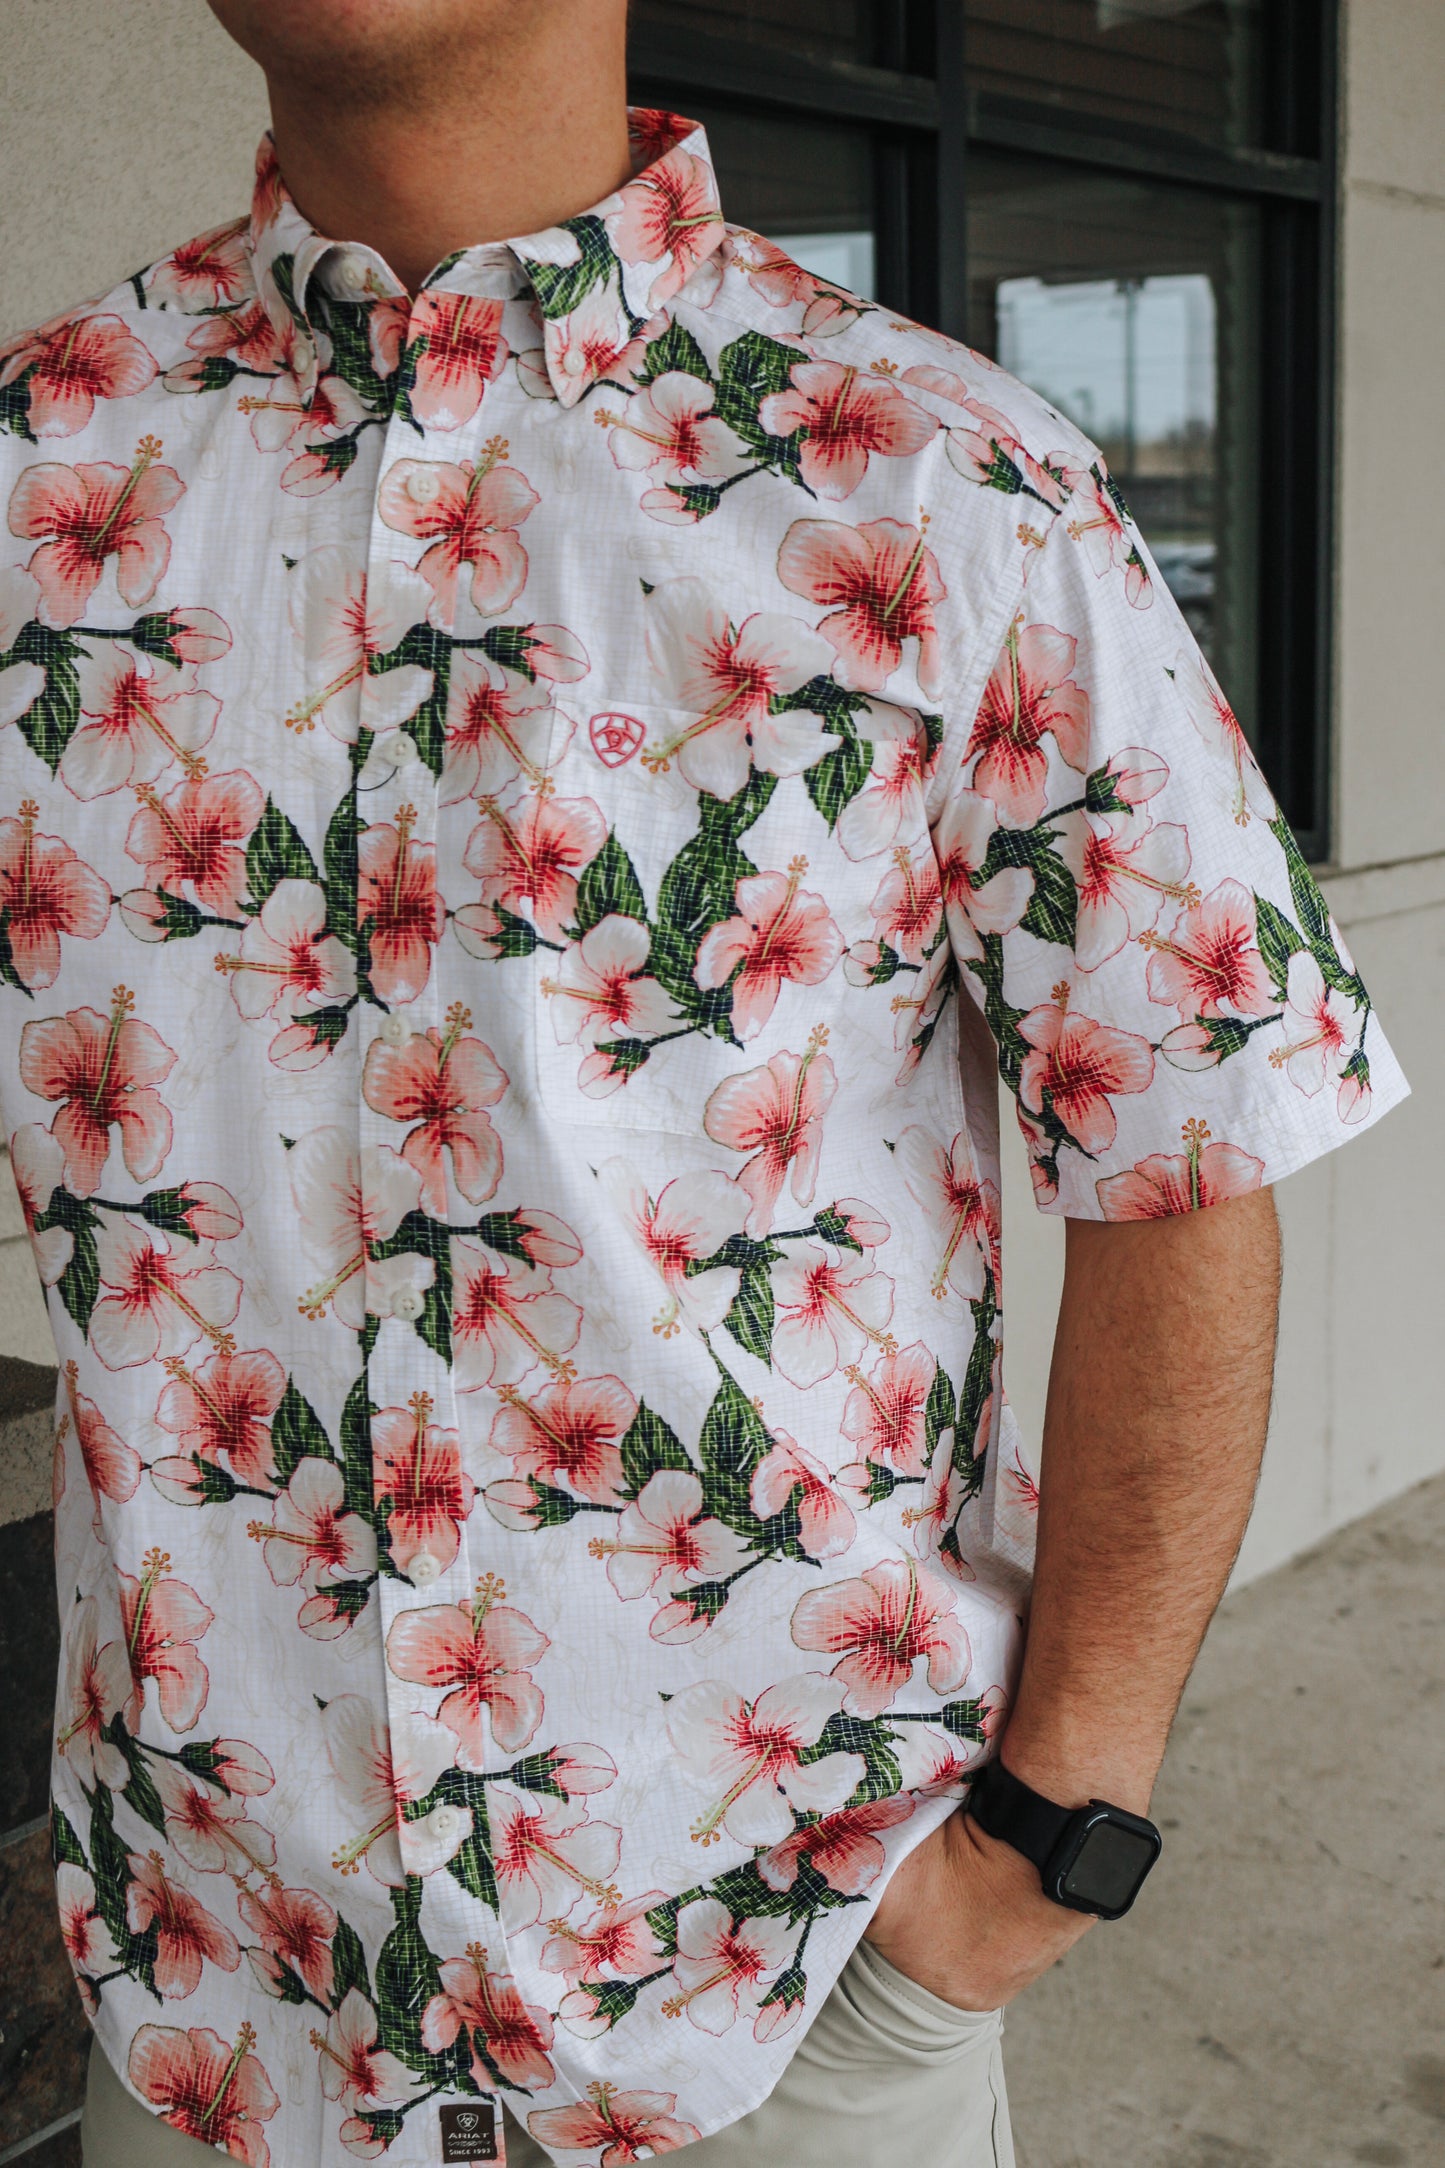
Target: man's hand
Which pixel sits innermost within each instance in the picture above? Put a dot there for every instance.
(1158, 1402)
(965, 1917)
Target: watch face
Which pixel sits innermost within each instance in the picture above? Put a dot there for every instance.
(1111, 1862)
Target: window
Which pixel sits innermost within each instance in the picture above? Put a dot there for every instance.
(1127, 203)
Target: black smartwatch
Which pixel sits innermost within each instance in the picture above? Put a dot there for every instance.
(1092, 1859)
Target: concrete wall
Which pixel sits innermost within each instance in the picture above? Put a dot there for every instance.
(128, 126)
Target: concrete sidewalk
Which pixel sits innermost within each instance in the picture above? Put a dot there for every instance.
(1277, 1999)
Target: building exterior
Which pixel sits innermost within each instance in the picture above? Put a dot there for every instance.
(1213, 231)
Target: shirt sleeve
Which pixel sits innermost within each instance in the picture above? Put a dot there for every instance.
(1176, 1014)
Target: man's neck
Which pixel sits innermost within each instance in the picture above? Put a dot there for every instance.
(501, 148)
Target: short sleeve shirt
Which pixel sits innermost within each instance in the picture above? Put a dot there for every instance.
(532, 818)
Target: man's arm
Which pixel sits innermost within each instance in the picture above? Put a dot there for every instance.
(1157, 1409)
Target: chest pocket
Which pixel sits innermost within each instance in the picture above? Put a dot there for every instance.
(703, 935)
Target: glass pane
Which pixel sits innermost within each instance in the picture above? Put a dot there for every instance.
(806, 184)
(1191, 66)
(842, 27)
(1133, 309)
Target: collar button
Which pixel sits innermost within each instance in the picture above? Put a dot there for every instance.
(394, 1031)
(424, 1570)
(423, 485)
(574, 361)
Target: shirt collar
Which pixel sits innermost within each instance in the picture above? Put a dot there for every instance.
(597, 278)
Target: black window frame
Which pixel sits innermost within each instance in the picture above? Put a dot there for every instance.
(923, 127)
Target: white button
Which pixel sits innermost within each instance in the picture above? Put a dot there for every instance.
(423, 485)
(352, 275)
(405, 749)
(574, 361)
(395, 1031)
(444, 1821)
(408, 1305)
(423, 1570)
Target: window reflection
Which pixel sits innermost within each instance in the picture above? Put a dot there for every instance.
(1130, 307)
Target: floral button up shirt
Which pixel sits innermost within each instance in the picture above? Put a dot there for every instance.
(529, 817)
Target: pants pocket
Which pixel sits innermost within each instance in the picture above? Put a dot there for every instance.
(911, 2019)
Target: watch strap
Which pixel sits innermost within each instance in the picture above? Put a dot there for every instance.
(1007, 1808)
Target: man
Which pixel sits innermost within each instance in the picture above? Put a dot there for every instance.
(553, 754)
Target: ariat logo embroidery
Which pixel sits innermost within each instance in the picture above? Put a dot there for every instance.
(470, 2132)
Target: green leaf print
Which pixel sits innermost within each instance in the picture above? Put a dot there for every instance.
(698, 891)
(750, 1315)
(677, 349)
(648, 1445)
(66, 1849)
(940, 1413)
(407, 1977)
(559, 287)
(275, 853)
(348, 1964)
(296, 1434)
(747, 371)
(609, 886)
(1053, 910)
(52, 718)
(1278, 941)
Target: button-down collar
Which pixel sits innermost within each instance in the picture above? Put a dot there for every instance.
(597, 279)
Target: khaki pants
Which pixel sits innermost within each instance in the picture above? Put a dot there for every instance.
(886, 2073)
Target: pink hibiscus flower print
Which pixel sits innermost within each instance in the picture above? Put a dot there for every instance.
(138, 715)
(883, 1623)
(1097, 519)
(484, 1652)
(687, 1222)
(467, 515)
(886, 1414)
(845, 416)
(210, 1831)
(158, 1295)
(509, 2038)
(288, 964)
(1208, 963)
(907, 905)
(383, 1763)
(1203, 1174)
(311, 1537)
(112, 1468)
(163, 1620)
(882, 580)
(602, 991)
(72, 362)
(668, 429)
(617, 1942)
(528, 856)
(668, 216)
(194, 839)
(725, 678)
(1081, 1065)
(779, 931)
(829, 1306)
(90, 513)
(305, 423)
(294, 1929)
(747, 1755)
(724, 1967)
(844, 1849)
(206, 2088)
(961, 1211)
(344, 619)
(397, 906)
(506, 1319)
(98, 1685)
(245, 335)
(87, 1939)
(1321, 1028)
(187, 1935)
(664, 1543)
(346, 1202)
(569, 1435)
(826, 1525)
(498, 726)
(38, 1163)
(1030, 695)
(418, 1470)
(103, 1070)
(889, 810)
(547, 1855)
(1218, 726)
(627, 2126)
(45, 891)
(207, 273)
(463, 353)
(1126, 869)
(776, 1113)
(975, 908)
(443, 1083)
(354, 2069)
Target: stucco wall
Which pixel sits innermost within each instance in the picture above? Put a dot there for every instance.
(127, 127)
